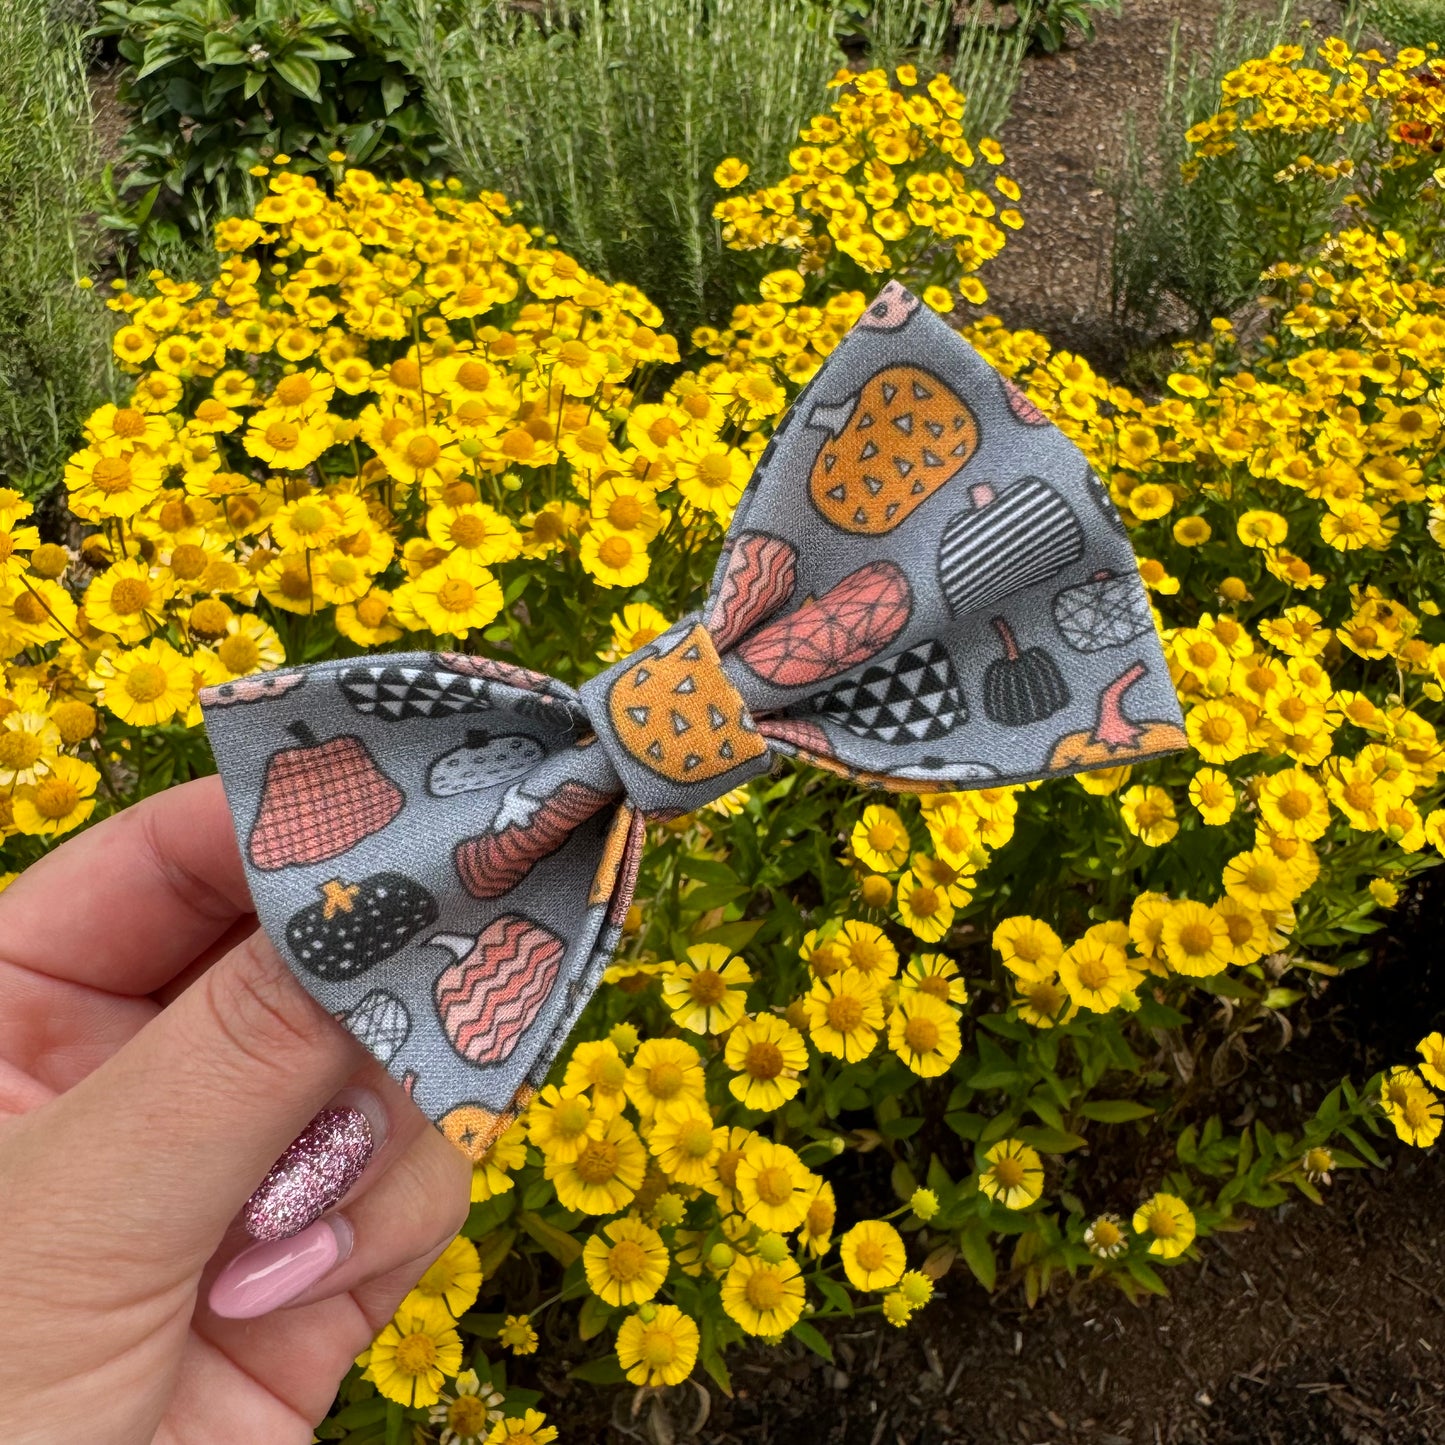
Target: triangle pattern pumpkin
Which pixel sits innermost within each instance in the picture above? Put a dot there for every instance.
(677, 714)
(909, 432)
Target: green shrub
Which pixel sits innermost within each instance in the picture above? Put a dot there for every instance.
(54, 352)
(1405, 22)
(216, 86)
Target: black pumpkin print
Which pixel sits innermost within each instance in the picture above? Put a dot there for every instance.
(483, 762)
(354, 926)
(1022, 687)
(1106, 611)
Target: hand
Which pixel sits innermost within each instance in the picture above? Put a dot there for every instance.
(156, 1056)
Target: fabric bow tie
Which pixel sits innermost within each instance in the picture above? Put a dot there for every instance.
(924, 587)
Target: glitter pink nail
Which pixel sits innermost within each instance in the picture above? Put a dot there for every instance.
(320, 1166)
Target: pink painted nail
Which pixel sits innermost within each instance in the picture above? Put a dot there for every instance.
(267, 1276)
(321, 1164)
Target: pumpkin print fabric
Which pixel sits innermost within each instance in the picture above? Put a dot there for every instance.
(444, 846)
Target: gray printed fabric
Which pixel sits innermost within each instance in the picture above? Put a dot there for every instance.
(924, 587)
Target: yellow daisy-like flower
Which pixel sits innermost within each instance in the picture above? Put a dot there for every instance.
(559, 1122)
(492, 1173)
(1014, 1174)
(1096, 974)
(766, 1054)
(1148, 813)
(1029, 947)
(622, 505)
(598, 1069)
(658, 1350)
(606, 1175)
(1294, 805)
(1195, 939)
(528, 1428)
(412, 1357)
(635, 626)
(1042, 1001)
(1217, 731)
(687, 1144)
(625, 1262)
(1105, 1237)
(880, 839)
(146, 686)
(1167, 1222)
(1432, 1053)
(816, 1231)
(711, 475)
(873, 1255)
(1248, 929)
(935, 974)
(923, 1032)
(665, 1074)
(518, 1335)
(1261, 529)
(924, 907)
(29, 744)
(453, 598)
(956, 835)
(61, 801)
(844, 1013)
(469, 1414)
(368, 621)
(1262, 880)
(476, 529)
(453, 1278)
(707, 991)
(764, 1298)
(1213, 796)
(774, 1187)
(287, 443)
(615, 559)
(866, 947)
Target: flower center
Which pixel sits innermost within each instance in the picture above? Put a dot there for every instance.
(774, 1185)
(468, 530)
(111, 474)
(405, 373)
(1261, 878)
(55, 798)
(708, 987)
(1196, 939)
(624, 512)
(467, 1415)
(871, 1255)
(764, 1060)
(147, 682)
(240, 654)
(598, 1161)
(695, 1139)
(1295, 804)
(188, 561)
(924, 901)
(626, 1261)
(1163, 1225)
(765, 1290)
(1094, 973)
(456, 594)
(474, 375)
(209, 617)
(715, 470)
(575, 353)
(1217, 730)
(416, 1354)
(662, 431)
(845, 1013)
(28, 608)
(130, 595)
(371, 611)
(664, 1081)
(283, 435)
(615, 551)
(548, 526)
(571, 1118)
(18, 749)
(422, 451)
(1009, 1172)
(293, 390)
(128, 423)
(921, 1035)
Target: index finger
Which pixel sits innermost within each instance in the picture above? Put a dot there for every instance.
(127, 904)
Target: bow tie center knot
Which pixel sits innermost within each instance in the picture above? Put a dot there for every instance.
(675, 728)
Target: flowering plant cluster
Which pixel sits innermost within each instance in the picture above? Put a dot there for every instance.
(399, 418)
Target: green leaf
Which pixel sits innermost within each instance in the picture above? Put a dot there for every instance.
(1051, 1141)
(814, 1340)
(1114, 1111)
(562, 1247)
(605, 1370)
(977, 1251)
(301, 75)
(733, 936)
(593, 1316)
(834, 1293)
(1145, 1274)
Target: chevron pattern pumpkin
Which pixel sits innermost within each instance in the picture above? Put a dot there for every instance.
(487, 999)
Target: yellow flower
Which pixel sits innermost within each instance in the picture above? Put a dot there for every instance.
(476, 529)
(816, 1231)
(1261, 880)
(924, 907)
(1014, 1176)
(1212, 794)
(936, 975)
(1042, 1001)
(1148, 813)
(711, 475)
(597, 1067)
(707, 992)
(518, 1335)
(773, 1186)
(625, 1262)
(606, 1175)
(146, 686)
(1260, 528)
(844, 1013)
(1195, 939)
(1432, 1051)
(287, 443)
(29, 745)
(1030, 948)
(687, 1145)
(1217, 731)
(614, 559)
(923, 1032)
(622, 505)
(1294, 805)
(665, 1074)
(1096, 974)
(635, 626)
(1166, 1221)
(1105, 1237)
(559, 1122)
(764, 1298)
(865, 947)
(730, 173)
(660, 1350)
(466, 1416)
(61, 801)
(766, 1054)
(873, 1255)
(529, 1428)
(492, 1173)
(412, 1356)
(452, 598)
(454, 1277)
(880, 839)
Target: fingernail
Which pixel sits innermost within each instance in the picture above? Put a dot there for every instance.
(267, 1276)
(320, 1165)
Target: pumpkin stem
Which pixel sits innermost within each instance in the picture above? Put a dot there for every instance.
(1113, 729)
(477, 737)
(302, 733)
(1005, 633)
